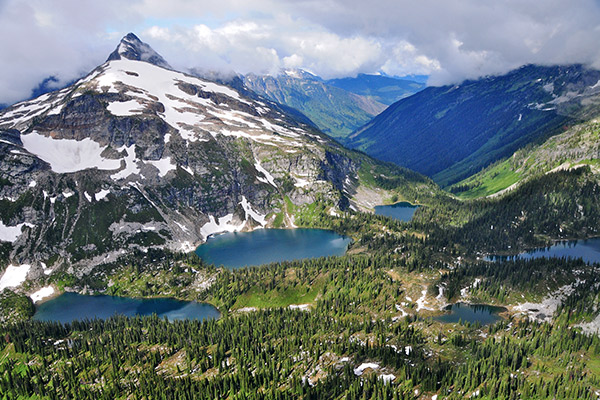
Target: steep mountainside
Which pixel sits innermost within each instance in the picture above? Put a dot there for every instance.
(452, 132)
(335, 111)
(136, 155)
(577, 147)
(383, 89)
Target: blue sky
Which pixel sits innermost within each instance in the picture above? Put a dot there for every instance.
(450, 40)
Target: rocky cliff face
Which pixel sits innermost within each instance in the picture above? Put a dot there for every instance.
(136, 155)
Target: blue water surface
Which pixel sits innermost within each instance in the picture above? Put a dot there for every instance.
(402, 211)
(72, 306)
(588, 250)
(263, 246)
(482, 313)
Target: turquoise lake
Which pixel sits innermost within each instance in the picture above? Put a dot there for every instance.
(263, 246)
(402, 211)
(72, 306)
(588, 250)
(482, 313)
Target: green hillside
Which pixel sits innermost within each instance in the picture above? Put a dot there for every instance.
(453, 132)
(578, 146)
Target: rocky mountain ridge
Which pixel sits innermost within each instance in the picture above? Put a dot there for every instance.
(577, 147)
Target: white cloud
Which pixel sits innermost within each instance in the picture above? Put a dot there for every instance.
(403, 58)
(451, 40)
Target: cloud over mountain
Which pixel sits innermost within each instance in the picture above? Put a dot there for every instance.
(450, 40)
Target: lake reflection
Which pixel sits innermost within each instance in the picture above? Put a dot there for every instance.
(588, 250)
(72, 306)
(482, 313)
(402, 211)
(263, 246)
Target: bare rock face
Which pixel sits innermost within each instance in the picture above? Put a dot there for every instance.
(136, 155)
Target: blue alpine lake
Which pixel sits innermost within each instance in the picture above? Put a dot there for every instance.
(263, 246)
(402, 211)
(72, 306)
(588, 250)
(482, 313)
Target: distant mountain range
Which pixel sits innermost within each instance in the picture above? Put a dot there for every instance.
(337, 107)
(334, 111)
(453, 132)
(383, 89)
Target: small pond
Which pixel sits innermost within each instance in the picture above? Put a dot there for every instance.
(588, 250)
(482, 313)
(72, 306)
(402, 211)
(263, 246)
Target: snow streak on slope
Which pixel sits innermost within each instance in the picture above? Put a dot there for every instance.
(268, 177)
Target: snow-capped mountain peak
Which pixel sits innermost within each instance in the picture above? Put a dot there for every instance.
(132, 48)
(136, 155)
(299, 73)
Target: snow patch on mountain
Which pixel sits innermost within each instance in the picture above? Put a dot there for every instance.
(101, 195)
(67, 155)
(226, 224)
(11, 233)
(125, 108)
(130, 163)
(163, 165)
(358, 371)
(14, 276)
(42, 294)
(223, 224)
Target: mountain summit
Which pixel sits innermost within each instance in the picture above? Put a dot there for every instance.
(132, 48)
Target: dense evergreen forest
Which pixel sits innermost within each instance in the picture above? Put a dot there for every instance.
(368, 330)
(285, 354)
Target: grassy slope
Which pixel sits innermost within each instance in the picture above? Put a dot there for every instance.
(577, 146)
